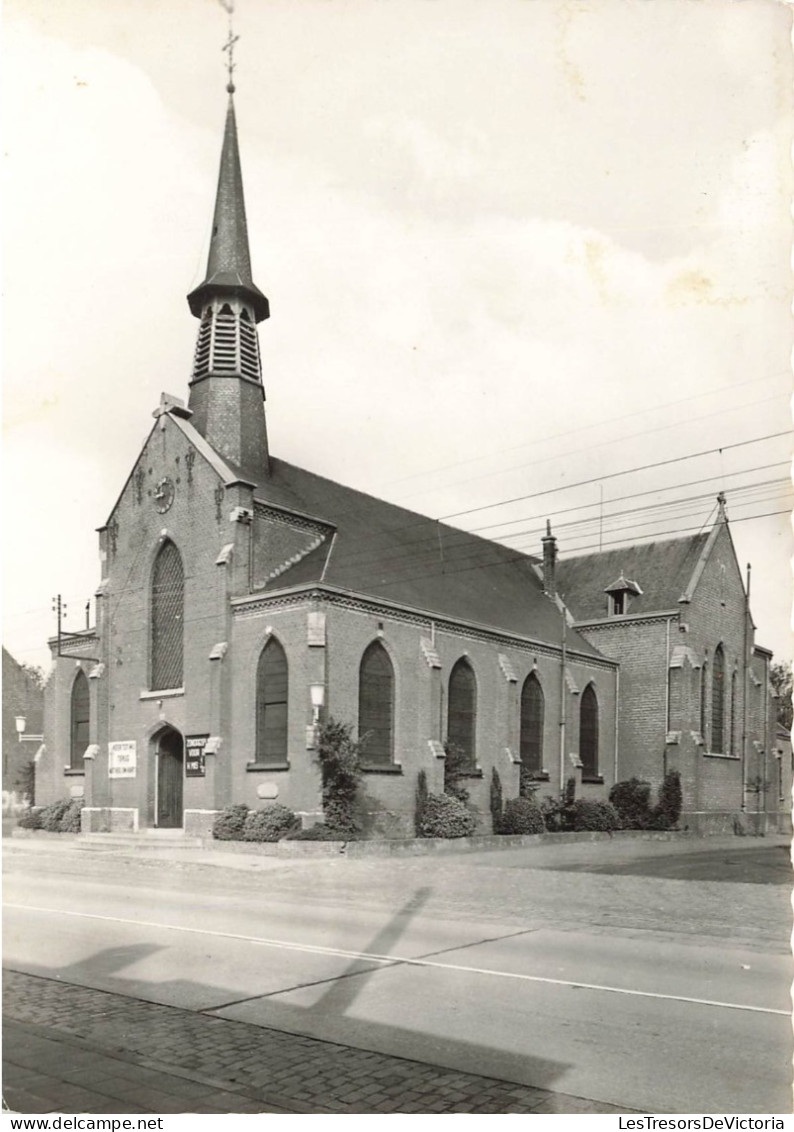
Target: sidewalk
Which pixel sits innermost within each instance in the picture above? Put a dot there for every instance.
(71, 1049)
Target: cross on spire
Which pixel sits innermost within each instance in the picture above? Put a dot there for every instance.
(229, 44)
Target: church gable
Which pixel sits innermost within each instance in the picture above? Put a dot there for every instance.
(280, 541)
(172, 489)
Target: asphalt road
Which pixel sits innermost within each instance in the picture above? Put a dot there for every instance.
(661, 1022)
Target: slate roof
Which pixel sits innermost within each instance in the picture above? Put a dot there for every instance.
(385, 551)
(662, 570)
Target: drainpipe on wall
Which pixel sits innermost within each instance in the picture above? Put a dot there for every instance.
(562, 699)
(745, 693)
(617, 717)
(666, 698)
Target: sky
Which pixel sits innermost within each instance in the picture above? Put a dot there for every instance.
(515, 250)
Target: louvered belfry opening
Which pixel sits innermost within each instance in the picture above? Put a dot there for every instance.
(376, 704)
(167, 611)
(462, 711)
(272, 686)
(588, 732)
(532, 724)
(227, 343)
(81, 716)
(718, 700)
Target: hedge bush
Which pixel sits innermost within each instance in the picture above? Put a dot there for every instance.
(589, 814)
(270, 824)
(339, 756)
(667, 811)
(52, 815)
(30, 818)
(70, 820)
(497, 807)
(420, 799)
(632, 800)
(445, 816)
(522, 815)
(230, 822)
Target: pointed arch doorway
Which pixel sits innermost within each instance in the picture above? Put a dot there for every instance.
(169, 750)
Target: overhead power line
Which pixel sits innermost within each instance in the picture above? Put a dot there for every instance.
(615, 475)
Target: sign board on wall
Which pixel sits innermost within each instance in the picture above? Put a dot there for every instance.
(122, 759)
(194, 755)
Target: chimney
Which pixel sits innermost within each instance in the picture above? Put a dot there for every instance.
(549, 562)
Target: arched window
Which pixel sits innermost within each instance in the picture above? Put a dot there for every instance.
(588, 732)
(704, 675)
(272, 686)
(734, 708)
(81, 715)
(376, 705)
(531, 742)
(717, 700)
(168, 599)
(462, 711)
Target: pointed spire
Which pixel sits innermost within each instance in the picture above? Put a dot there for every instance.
(229, 264)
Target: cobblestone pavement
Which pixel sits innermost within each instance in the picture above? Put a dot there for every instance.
(71, 1049)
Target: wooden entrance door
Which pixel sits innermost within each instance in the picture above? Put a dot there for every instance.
(170, 773)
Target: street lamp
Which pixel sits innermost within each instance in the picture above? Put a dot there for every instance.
(317, 692)
(20, 722)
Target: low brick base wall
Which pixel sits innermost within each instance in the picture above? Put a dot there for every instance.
(108, 819)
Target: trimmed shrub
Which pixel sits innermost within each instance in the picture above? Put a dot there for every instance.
(445, 816)
(318, 832)
(339, 755)
(632, 800)
(421, 799)
(52, 815)
(30, 818)
(70, 822)
(667, 811)
(269, 824)
(558, 813)
(522, 815)
(456, 767)
(229, 824)
(593, 814)
(496, 801)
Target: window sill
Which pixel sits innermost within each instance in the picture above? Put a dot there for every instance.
(719, 755)
(476, 773)
(385, 768)
(267, 766)
(539, 776)
(70, 770)
(163, 694)
(594, 779)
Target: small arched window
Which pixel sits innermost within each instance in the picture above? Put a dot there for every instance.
(734, 715)
(462, 711)
(80, 720)
(718, 700)
(588, 732)
(272, 687)
(704, 675)
(531, 741)
(376, 705)
(168, 600)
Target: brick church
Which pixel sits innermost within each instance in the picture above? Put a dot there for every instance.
(242, 599)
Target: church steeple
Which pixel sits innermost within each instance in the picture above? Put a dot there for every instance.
(229, 262)
(226, 391)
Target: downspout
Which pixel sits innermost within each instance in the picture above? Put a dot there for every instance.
(617, 717)
(666, 697)
(562, 699)
(744, 692)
